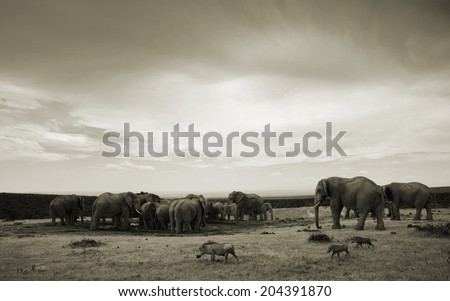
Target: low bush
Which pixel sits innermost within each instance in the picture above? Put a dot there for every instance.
(319, 237)
(435, 230)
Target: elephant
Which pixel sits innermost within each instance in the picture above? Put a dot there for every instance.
(410, 194)
(358, 193)
(230, 210)
(162, 214)
(189, 214)
(145, 198)
(67, 208)
(268, 207)
(251, 204)
(149, 215)
(115, 205)
(215, 209)
(172, 214)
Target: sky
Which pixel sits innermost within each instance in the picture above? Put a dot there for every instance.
(72, 71)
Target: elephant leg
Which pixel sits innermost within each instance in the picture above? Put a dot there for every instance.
(188, 227)
(72, 217)
(116, 220)
(53, 214)
(362, 220)
(380, 221)
(177, 226)
(418, 215)
(94, 222)
(429, 214)
(336, 213)
(347, 213)
(145, 223)
(63, 219)
(396, 211)
(126, 221)
(226, 258)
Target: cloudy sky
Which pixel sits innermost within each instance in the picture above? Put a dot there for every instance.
(70, 71)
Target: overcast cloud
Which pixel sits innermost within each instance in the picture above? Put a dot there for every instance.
(73, 70)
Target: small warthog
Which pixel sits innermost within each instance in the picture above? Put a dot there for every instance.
(336, 249)
(219, 249)
(362, 240)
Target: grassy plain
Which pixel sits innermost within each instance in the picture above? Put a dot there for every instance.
(268, 250)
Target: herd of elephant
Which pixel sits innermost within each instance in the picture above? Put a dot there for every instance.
(191, 212)
(184, 214)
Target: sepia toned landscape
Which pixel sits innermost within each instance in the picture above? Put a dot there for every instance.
(278, 249)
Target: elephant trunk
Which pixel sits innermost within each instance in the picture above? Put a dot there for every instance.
(316, 214)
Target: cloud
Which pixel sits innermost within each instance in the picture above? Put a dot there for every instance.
(129, 165)
(33, 129)
(276, 174)
(378, 70)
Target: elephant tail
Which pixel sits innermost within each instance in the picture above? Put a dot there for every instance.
(384, 195)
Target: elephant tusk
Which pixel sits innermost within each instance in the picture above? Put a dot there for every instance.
(138, 211)
(316, 205)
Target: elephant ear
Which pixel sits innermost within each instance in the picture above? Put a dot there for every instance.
(232, 197)
(325, 188)
(203, 204)
(129, 199)
(239, 196)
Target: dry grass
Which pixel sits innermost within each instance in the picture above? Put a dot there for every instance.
(286, 254)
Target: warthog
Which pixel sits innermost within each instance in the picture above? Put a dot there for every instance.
(336, 249)
(219, 249)
(362, 240)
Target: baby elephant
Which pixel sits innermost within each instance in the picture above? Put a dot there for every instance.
(362, 240)
(336, 249)
(219, 249)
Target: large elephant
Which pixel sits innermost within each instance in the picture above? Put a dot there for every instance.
(250, 204)
(189, 214)
(67, 208)
(410, 194)
(216, 209)
(358, 193)
(115, 205)
(230, 210)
